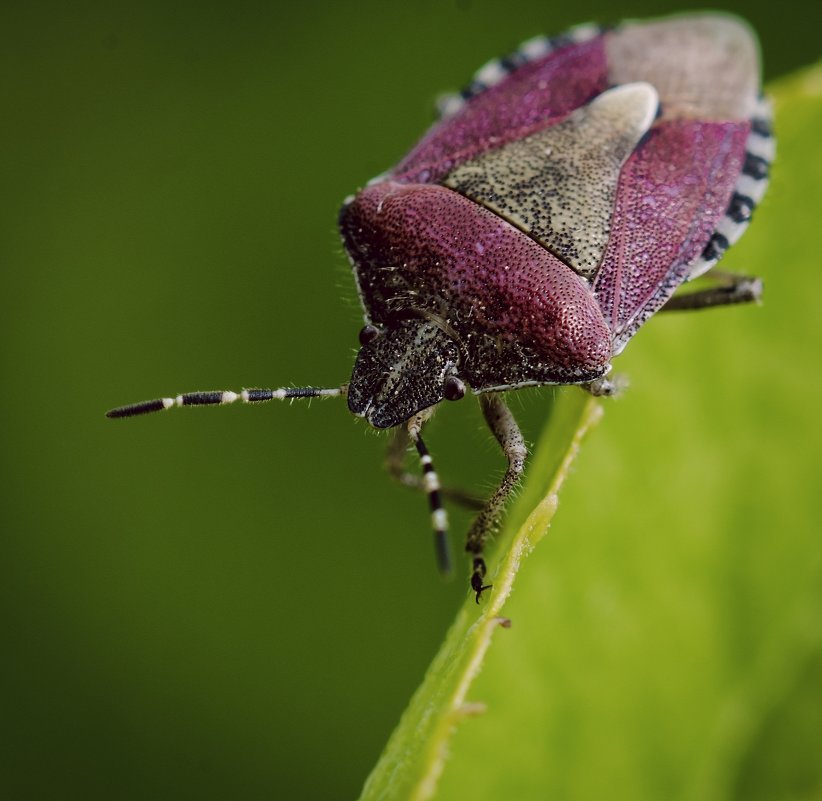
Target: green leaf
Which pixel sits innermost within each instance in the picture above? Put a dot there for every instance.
(415, 756)
(667, 637)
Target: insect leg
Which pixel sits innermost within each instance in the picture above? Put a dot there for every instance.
(606, 387)
(431, 484)
(505, 429)
(223, 397)
(730, 289)
(395, 465)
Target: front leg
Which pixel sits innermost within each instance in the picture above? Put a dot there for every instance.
(395, 455)
(505, 429)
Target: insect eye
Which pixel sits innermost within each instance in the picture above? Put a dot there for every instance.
(454, 388)
(368, 333)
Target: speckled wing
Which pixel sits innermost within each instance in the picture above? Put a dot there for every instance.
(559, 184)
(697, 62)
(705, 66)
(685, 193)
(510, 98)
(676, 204)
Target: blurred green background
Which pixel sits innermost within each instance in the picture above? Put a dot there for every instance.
(237, 603)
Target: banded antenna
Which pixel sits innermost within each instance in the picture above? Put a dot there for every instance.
(223, 397)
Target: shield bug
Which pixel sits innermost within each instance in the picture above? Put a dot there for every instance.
(555, 206)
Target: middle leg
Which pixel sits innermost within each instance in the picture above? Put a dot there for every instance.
(505, 429)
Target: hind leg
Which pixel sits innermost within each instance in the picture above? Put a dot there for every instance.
(729, 290)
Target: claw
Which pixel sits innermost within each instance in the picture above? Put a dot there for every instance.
(477, 576)
(482, 589)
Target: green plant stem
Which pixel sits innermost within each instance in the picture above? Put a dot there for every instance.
(415, 755)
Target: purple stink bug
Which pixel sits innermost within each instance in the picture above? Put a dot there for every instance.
(557, 204)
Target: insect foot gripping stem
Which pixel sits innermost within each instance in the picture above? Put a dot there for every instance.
(505, 429)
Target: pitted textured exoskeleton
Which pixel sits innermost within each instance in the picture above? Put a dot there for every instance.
(560, 201)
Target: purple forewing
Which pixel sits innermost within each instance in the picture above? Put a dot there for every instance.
(535, 96)
(672, 192)
(675, 188)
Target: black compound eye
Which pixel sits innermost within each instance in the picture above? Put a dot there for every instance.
(368, 333)
(454, 388)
